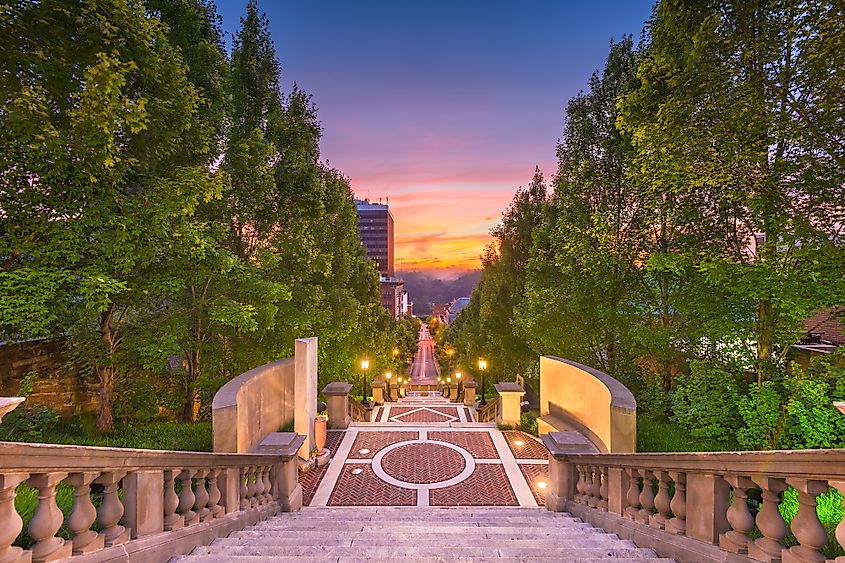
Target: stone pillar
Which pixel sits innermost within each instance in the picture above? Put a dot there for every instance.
(453, 392)
(143, 498)
(469, 393)
(230, 489)
(562, 479)
(286, 487)
(305, 392)
(617, 487)
(378, 392)
(708, 495)
(337, 404)
(510, 402)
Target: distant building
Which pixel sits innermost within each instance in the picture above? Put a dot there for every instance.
(375, 228)
(440, 311)
(393, 296)
(456, 307)
(824, 335)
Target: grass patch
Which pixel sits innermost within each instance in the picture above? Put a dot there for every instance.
(661, 435)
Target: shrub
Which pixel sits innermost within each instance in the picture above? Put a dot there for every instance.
(528, 423)
(705, 400)
(761, 411)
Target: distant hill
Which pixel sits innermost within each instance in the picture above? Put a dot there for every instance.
(424, 288)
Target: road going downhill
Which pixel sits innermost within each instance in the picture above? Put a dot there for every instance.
(424, 370)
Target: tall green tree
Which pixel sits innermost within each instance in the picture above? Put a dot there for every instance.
(95, 103)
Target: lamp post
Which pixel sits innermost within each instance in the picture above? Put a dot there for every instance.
(387, 377)
(482, 366)
(365, 365)
(458, 378)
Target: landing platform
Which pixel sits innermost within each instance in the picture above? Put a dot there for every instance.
(429, 453)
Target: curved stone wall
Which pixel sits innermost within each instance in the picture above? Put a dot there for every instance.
(253, 405)
(577, 397)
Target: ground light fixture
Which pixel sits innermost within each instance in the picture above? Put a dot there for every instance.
(518, 443)
(365, 365)
(482, 366)
(542, 484)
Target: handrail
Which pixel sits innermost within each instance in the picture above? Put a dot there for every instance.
(617, 492)
(489, 412)
(219, 493)
(357, 412)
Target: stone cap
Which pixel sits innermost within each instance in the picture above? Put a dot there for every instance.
(337, 388)
(280, 443)
(470, 384)
(379, 384)
(508, 387)
(8, 404)
(569, 442)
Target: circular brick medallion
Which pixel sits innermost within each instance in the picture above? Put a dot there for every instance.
(423, 463)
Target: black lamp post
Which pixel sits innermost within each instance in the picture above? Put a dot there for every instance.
(482, 366)
(365, 365)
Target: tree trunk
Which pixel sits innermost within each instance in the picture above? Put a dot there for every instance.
(765, 329)
(192, 404)
(105, 420)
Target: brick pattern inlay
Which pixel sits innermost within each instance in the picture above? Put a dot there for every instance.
(479, 444)
(366, 489)
(310, 480)
(535, 474)
(469, 414)
(416, 415)
(333, 440)
(375, 441)
(487, 486)
(423, 463)
(530, 449)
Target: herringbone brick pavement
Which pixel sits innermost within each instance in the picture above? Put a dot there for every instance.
(530, 449)
(310, 480)
(366, 489)
(415, 416)
(487, 486)
(536, 473)
(333, 439)
(375, 441)
(423, 463)
(479, 444)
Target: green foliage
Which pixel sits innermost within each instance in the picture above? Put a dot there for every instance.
(528, 423)
(705, 400)
(30, 424)
(659, 434)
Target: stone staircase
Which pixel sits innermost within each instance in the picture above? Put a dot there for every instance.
(415, 534)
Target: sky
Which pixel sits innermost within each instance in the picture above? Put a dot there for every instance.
(442, 108)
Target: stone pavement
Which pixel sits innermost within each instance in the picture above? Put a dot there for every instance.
(429, 452)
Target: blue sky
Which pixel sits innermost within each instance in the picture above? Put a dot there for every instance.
(444, 107)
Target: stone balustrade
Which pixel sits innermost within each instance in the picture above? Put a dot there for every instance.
(489, 412)
(139, 505)
(695, 506)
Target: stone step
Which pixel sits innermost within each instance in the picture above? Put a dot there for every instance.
(385, 552)
(434, 538)
(427, 530)
(338, 540)
(400, 559)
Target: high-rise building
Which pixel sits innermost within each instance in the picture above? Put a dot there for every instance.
(375, 227)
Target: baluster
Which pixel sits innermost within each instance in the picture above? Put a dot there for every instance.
(83, 514)
(47, 520)
(259, 486)
(603, 489)
(10, 521)
(187, 498)
(244, 488)
(252, 502)
(633, 495)
(662, 502)
(581, 498)
(172, 521)
(595, 484)
(111, 509)
(840, 529)
(678, 524)
(739, 516)
(214, 494)
(808, 530)
(201, 496)
(769, 521)
(268, 484)
(646, 498)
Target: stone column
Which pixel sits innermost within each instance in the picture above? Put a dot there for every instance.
(510, 402)
(143, 499)
(708, 496)
(469, 393)
(285, 487)
(453, 392)
(305, 392)
(337, 404)
(378, 392)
